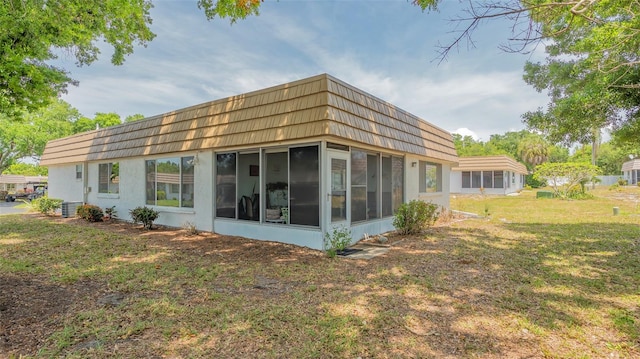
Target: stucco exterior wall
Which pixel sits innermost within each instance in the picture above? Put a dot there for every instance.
(514, 186)
(132, 192)
(64, 185)
(411, 182)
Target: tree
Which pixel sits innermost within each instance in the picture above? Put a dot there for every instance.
(533, 150)
(610, 158)
(467, 146)
(132, 118)
(11, 145)
(26, 169)
(83, 124)
(34, 30)
(101, 120)
(508, 143)
(565, 177)
(592, 75)
(28, 135)
(592, 71)
(107, 119)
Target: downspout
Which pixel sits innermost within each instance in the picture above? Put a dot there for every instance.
(85, 182)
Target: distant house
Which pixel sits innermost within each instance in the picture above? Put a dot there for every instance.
(631, 171)
(19, 183)
(287, 163)
(491, 174)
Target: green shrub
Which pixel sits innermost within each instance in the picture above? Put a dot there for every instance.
(90, 213)
(162, 195)
(533, 182)
(415, 216)
(622, 182)
(144, 215)
(111, 212)
(46, 205)
(337, 240)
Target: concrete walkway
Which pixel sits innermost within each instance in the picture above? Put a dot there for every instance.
(367, 251)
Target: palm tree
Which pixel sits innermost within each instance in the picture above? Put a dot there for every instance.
(533, 150)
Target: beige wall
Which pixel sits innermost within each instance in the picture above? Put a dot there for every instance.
(412, 184)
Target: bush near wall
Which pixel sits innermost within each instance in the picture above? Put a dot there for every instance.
(144, 215)
(415, 216)
(46, 205)
(90, 213)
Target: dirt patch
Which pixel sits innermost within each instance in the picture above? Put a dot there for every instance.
(31, 308)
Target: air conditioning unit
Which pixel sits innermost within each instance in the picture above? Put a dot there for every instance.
(69, 209)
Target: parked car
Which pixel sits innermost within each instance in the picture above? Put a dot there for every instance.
(39, 192)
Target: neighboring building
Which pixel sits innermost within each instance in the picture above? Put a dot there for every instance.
(631, 171)
(286, 163)
(493, 174)
(19, 183)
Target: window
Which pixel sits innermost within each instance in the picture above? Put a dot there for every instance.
(358, 185)
(430, 177)
(108, 178)
(490, 179)
(338, 189)
(392, 184)
(291, 179)
(170, 182)
(187, 181)
(226, 185)
(376, 185)
(78, 172)
(498, 179)
(304, 186)
(277, 185)
(248, 186)
(373, 184)
(487, 179)
(476, 176)
(466, 179)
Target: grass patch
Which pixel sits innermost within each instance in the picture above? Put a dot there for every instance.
(536, 278)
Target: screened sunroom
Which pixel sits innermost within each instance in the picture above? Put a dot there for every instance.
(287, 163)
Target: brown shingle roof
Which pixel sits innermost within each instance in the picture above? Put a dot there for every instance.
(490, 163)
(631, 165)
(316, 107)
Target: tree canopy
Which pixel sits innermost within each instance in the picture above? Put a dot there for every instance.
(523, 146)
(592, 76)
(592, 71)
(565, 178)
(27, 135)
(33, 31)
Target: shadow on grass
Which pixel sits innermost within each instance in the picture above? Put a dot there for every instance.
(475, 289)
(549, 278)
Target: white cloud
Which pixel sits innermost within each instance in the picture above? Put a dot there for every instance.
(384, 49)
(463, 131)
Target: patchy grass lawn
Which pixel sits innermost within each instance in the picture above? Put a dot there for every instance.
(536, 278)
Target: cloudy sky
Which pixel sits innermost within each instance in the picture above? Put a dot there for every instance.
(387, 48)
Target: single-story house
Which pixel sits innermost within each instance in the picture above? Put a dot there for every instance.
(20, 183)
(286, 163)
(631, 171)
(489, 174)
